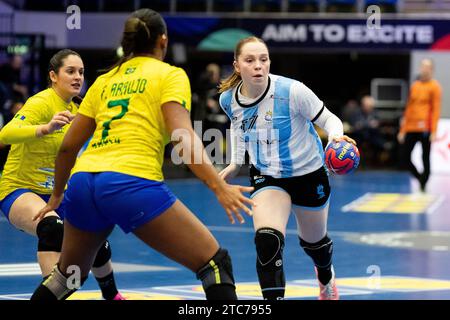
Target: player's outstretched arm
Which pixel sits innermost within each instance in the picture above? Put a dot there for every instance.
(190, 148)
(19, 131)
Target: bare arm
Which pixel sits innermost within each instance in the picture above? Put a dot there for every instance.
(179, 126)
(82, 128)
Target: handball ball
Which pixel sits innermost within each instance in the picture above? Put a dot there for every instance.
(341, 157)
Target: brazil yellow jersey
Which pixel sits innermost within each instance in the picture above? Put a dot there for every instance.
(130, 134)
(31, 160)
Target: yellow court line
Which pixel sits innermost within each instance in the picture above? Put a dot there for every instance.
(392, 203)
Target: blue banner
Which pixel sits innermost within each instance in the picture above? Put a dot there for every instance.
(392, 34)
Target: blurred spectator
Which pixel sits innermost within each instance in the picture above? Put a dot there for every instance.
(350, 114)
(207, 107)
(365, 128)
(11, 89)
(16, 106)
(420, 120)
(4, 149)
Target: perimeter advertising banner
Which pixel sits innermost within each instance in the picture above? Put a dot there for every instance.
(214, 33)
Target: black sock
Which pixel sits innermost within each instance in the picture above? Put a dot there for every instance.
(54, 287)
(43, 293)
(217, 277)
(277, 290)
(423, 182)
(324, 274)
(221, 292)
(108, 286)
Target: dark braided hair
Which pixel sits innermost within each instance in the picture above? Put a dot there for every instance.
(141, 31)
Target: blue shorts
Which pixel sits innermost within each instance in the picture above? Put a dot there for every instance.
(7, 202)
(98, 201)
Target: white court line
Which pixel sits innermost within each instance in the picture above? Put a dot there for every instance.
(161, 293)
(185, 291)
(357, 202)
(288, 231)
(436, 205)
(180, 289)
(32, 269)
(14, 297)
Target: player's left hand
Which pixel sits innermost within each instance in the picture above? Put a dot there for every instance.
(432, 137)
(344, 137)
(52, 204)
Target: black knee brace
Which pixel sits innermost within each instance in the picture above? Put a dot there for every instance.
(269, 263)
(320, 252)
(217, 277)
(103, 255)
(50, 231)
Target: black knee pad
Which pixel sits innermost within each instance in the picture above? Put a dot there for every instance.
(103, 255)
(269, 263)
(50, 231)
(320, 252)
(269, 249)
(218, 270)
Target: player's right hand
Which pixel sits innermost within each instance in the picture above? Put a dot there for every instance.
(58, 121)
(232, 200)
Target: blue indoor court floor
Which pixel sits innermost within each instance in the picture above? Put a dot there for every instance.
(390, 242)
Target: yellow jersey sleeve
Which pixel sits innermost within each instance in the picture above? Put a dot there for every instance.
(23, 126)
(31, 161)
(176, 88)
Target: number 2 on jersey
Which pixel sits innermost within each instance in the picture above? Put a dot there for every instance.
(111, 104)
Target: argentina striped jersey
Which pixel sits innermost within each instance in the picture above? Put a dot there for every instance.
(276, 128)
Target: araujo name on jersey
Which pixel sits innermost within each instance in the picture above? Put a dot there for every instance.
(105, 142)
(128, 87)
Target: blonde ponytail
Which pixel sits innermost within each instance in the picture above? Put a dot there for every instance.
(230, 82)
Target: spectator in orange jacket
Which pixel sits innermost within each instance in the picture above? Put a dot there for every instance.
(420, 120)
